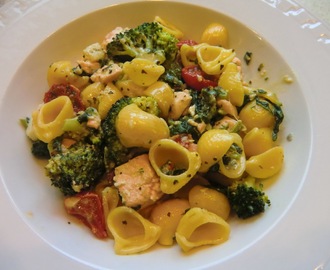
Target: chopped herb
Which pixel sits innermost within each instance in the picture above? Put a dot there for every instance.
(260, 67)
(248, 57)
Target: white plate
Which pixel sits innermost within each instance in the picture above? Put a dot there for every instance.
(298, 221)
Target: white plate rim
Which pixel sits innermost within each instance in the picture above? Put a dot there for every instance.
(315, 40)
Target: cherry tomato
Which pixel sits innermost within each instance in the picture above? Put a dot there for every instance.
(195, 78)
(87, 207)
(71, 91)
(189, 42)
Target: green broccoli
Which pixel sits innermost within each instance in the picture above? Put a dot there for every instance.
(246, 198)
(172, 76)
(75, 168)
(85, 126)
(205, 102)
(114, 152)
(148, 40)
(204, 106)
(76, 158)
(40, 149)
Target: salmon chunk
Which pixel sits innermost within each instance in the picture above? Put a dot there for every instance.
(137, 182)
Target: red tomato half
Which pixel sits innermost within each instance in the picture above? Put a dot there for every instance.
(69, 90)
(195, 78)
(87, 207)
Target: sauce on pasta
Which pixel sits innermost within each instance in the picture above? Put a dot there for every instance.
(213, 127)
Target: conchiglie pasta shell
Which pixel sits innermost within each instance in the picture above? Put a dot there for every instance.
(168, 27)
(166, 150)
(110, 199)
(254, 115)
(200, 227)
(167, 215)
(129, 88)
(210, 199)
(143, 72)
(164, 95)
(61, 72)
(236, 170)
(257, 141)
(48, 121)
(215, 34)
(212, 59)
(231, 81)
(266, 164)
(107, 98)
(132, 232)
(211, 146)
(137, 128)
(90, 94)
(188, 55)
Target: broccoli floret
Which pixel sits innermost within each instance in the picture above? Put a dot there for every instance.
(184, 125)
(75, 168)
(203, 111)
(84, 127)
(172, 76)
(148, 40)
(40, 149)
(246, 198)
(76, 158)
(147, 104)
(205, 102)
(114, 152)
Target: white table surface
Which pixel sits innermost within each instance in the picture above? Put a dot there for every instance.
(320, 10)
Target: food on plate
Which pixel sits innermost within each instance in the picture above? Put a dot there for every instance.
(152, 137)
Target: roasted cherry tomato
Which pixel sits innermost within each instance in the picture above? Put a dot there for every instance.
(189, 42)
(195, 78)
(87, 207)
(69, 90)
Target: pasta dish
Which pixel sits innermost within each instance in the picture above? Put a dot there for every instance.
(154, 138)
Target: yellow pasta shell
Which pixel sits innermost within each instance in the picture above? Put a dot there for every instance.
(169, 27)
(266, 164)
(200, 227)
(49, 119)
(143, 72)
(166, 150)
(211, 146)
(257, 141)
(167, 215)
(137, 128)
(253, 115)
(129, 88)
(131, 231)
(61, 72)
(163, 94)
(215, 34)
(210, 199)
(107, 98)
(213, 59)
(236, 169)
(109, 197)
(188, 55)
(231, 81)
(90, 94)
